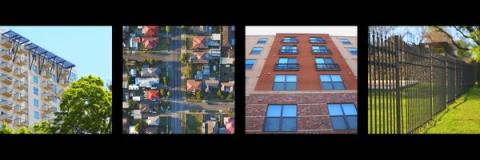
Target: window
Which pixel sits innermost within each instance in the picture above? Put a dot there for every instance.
(262, 40)
(345, 41)
(332, 82)
(281, 118)
(289, 40)
(35, 91)
(34, 68)
(320, 49)
(317, 40)
(256, 50)
(287, 64)
(343, 116)
(285, 83)
(36, 115)
(325, 64)
(249, 63)
(36, 103)
(288, 50)
(353, 51)
(35, 79)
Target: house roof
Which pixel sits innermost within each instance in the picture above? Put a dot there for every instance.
(150, 30)
(193, 85)
(150, 71)
(152, 95)
(228, 84)
(229, 124)
(211, 82)
(199, 54)
(150, 43)
(153, 121)
(199, 42)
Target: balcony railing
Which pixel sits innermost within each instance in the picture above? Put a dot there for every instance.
(47, 85)
(6, 92)
(47, 96)
(5, 79)
(287, 67)
(46, 65)
(5, 43)
(20, 73)
(20, 109)
(6, 66)
(46, 75)
(20, 97)
(20, 121)
(20, 85)
(5, 104)
(327, 67)
(21, 61)
(6, 117)
(5, 54)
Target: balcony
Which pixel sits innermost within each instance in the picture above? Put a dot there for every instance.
(287, 67)
(5, 43)
(46, 75)
(6, 66)
(20, 122)
(5, 54)
(20, 73)
(46, 65)
(20, 85)
(327, 67)
(6, 92)
(47, 85)
(20, 109)
(63, 82)
(21, 61)
(46, 109)
(5, 104)
(5, 79)
(21, 52)
(20, 97)
(47, 96)
(6, 117)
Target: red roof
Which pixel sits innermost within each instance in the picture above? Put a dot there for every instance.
(150, 43)
(150, 30)
(152, 95)
(198, 42)
(193, 85)
(137, 39)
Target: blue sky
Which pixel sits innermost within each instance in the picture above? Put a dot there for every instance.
(88, 47)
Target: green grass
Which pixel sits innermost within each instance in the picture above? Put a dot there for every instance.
(460, 117)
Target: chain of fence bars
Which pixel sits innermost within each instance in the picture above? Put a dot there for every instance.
(409, 84)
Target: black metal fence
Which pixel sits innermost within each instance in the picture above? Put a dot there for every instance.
(410, 83)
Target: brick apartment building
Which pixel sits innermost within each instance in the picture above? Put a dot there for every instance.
(298, 83)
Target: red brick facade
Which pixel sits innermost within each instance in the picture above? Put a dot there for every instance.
(310, 98)
(308, 78)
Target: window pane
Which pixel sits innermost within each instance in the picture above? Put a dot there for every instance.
(349, 109)
(328, 61)
(289, 124)
(292, 60)
(272, 124)
(289, 111)
(325, 78)
(250, 61)
(291, 86)
(291, 78)
(279, 86)
(279, 78)
(283, 60)
(336, 78)
(335, 110)
(319, 60)
(338, 85)
(327, 86)
(274, 110)
(352, 122)
(338, 123)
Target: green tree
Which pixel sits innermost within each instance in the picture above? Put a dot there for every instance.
(219, 94)
(86, 108)
(43, 127)
(187, 71)
(141, 126)
(5, 129)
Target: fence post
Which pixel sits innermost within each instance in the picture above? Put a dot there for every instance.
(397, 84)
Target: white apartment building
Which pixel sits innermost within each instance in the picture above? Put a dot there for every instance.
(32, 80)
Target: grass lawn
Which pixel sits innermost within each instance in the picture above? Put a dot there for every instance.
(460, 117)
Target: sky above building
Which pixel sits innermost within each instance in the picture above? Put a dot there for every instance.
(88, 47)
(272, 30)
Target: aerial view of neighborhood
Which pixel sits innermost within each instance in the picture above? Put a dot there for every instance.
(178, 79)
